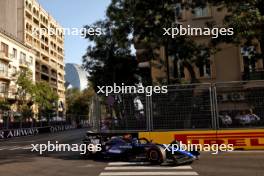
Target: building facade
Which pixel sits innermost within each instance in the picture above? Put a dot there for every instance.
(25, 19)
(76, 76)
(15, 56)
(231, 63)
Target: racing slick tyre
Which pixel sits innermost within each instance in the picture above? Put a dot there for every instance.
(154, 156)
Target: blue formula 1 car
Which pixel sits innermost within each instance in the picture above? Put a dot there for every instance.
(139, 150)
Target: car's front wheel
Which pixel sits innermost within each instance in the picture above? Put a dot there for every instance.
(154, 156)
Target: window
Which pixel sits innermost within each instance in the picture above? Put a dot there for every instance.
(31, 60)
(248, 53)
(3, 68)
(4, 49)
(178, 11)
(14, 70)
(2, 87)
(14, 53)
(202, 12)
(205, 69)
(178, 69)
(61, 105)
(22, 58)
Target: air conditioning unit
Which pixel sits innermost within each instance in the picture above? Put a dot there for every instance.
(238, 96)
(222, 97)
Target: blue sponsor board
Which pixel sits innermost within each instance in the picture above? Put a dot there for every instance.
(11, 133)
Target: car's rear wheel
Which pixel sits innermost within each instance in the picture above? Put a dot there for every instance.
(154, 156)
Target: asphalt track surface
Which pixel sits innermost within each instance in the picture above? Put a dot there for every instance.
(16, 159)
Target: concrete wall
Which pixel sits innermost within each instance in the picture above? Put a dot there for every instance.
(8, 16)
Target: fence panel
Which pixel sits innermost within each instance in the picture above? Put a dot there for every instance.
(240, 104)
(119, 113)
(183, 107)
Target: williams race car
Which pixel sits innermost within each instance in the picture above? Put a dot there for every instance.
(128, 148)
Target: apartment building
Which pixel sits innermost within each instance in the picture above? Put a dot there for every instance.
(231, 63)
(14, 57)
(24, 19)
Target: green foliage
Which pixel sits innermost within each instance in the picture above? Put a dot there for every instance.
(78, 101)
(25, 85)
(25, 93)
(45, 97)
(30, 93)
(4, 105)
(106, 61)
(26, 111)
(145, 20)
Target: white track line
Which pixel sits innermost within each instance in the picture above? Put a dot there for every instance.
(27, 147)
(4, 147)
(146, 173)
(15, 148)
(128, 163)
(148, 168)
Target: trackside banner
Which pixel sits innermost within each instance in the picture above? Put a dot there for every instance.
(241, 139)
(5, 134)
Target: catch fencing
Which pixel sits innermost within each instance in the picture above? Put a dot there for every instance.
(231, 105)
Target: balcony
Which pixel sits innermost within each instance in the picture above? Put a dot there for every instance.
(61, 87)
(4, 75)
(54, 76)
(53, 64)
(53, 84)
(257, 75)
(3, 57)
(23, 63)
(45, 70)
(12, 95)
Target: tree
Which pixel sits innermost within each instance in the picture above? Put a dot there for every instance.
(4, 105)
(46, 99)
(78, 102)
(72, 96)
(106, 61)
(144, 21)
(24, 94)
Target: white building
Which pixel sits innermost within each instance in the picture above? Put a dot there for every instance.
(14, 56)
(76, 76)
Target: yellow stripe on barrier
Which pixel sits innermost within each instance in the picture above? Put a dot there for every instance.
(241, 139)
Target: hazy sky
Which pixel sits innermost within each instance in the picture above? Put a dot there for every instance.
(75, 14)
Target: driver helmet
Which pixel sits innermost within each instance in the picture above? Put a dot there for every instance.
(127, 137)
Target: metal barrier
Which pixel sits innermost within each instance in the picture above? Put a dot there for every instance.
(184, 107)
